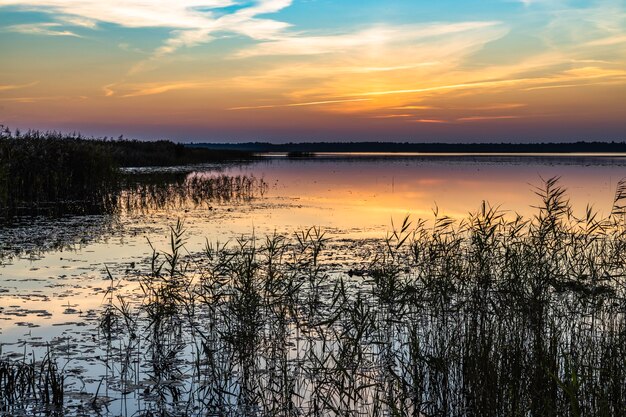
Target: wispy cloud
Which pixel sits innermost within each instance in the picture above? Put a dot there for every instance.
(347, 62)
(394, 68)
(476, 84)
(7, 87)
(549, 87)
(48, 29)
(483, 118)
(130, 13)
(414, 107)
(499, 106)
(191, 22)
(367, 38)
(36, 99)
(391, 116)
(430, 121)
(309, 103)
(608, 41)
(576, 74)
(149, 89)
(77, 21)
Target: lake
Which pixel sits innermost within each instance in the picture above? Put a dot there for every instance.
(54, 273)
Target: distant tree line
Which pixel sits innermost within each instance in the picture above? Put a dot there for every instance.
(312, 147)
(134, 153)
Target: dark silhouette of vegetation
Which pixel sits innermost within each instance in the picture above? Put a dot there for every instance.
(138, 194)
(23, 383)
(134, 153)
(53, 173)
(488, 148)
(300, 154)
(158, 191)
(43, 172)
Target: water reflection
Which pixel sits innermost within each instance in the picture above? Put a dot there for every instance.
(144, 193)
(364, 192)
(53, 296)
(356, 195)
(72, 225)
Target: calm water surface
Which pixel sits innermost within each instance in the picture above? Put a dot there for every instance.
(354, 197)
(54, 295)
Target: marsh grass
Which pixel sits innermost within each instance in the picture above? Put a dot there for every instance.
(30, 388)
(493, 315)
(50, 173)
(135, 195)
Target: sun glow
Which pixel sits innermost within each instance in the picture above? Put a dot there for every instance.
(221, 69)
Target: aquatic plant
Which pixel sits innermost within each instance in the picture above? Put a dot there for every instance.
(145, 193)
(489, 315)
(30, 387)
(45, 173)
(53, 173)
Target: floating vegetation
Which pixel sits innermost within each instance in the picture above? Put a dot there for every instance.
(485, 316)
(37, 236)
(300, 154)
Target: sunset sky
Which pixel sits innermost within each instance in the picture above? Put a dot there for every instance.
(303, 70)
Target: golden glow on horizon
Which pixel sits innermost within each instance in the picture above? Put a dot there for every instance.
(382, 78)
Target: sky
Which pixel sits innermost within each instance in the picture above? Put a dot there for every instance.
(316, 70)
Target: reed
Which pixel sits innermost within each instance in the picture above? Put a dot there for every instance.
(146, 193)
(30, 387)
(53, 173)
(489, 315)
(46, 173)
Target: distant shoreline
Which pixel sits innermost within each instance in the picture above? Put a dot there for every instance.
(422, 148)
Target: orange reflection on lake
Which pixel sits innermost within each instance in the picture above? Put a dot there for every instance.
(361, 193)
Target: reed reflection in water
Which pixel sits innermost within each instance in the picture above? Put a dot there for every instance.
(67, 225)
(185, 191)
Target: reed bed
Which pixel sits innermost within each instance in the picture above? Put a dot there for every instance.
(50, 173)
(137, 195)
(486, 316)
(31, 388)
